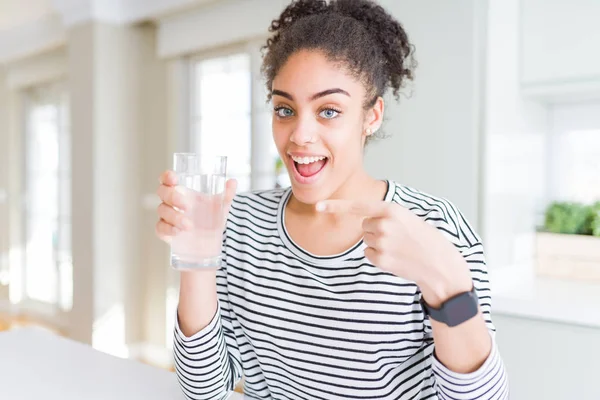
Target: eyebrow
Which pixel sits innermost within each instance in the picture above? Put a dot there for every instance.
(314, 96)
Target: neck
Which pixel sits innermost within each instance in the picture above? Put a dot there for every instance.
(359, 186)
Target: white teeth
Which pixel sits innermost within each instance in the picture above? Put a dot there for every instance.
(307, 160)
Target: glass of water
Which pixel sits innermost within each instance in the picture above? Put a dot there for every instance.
(202, 181)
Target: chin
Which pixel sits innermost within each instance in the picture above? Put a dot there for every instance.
(312, 189)
(309, 195)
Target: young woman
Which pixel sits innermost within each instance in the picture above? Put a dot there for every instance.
(342, 286)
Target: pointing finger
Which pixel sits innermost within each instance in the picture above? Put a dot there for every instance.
(362, 208)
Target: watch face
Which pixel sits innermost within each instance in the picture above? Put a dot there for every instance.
(456, 310)
(460, 308)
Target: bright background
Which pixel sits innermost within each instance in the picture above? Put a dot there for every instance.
(96, 95)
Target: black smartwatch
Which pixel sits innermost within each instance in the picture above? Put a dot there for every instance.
(455, 310)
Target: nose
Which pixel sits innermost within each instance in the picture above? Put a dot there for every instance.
(304, 133)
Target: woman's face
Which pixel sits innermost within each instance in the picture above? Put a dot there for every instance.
(319, 124)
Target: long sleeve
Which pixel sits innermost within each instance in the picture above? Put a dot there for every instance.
(208, 363)
(490, 381)
(487, 383)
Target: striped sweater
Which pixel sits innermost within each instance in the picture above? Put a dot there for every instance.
(300, 326)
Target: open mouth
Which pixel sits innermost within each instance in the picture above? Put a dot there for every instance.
(308, 167)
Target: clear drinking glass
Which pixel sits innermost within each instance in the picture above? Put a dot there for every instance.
(202, 181)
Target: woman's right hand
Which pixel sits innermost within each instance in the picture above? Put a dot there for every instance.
(172, 221)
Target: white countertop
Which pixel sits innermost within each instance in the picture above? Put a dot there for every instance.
(517, 291)
(35, 364)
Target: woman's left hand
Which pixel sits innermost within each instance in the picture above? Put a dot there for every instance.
(400, 242)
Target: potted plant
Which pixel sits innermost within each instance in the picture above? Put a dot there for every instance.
(568, 245)
(280, 171)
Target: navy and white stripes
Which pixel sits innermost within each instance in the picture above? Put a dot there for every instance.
(300, 326)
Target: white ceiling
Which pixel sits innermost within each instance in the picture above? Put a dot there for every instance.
(31, 26)
(15, 13)
(19, 12)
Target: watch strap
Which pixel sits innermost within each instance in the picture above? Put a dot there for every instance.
(455, 310)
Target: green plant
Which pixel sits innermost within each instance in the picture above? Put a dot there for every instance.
(568, 218)
(279, 165)
(595, 219)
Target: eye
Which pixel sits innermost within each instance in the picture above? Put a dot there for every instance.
(329, 113)
(283, 112)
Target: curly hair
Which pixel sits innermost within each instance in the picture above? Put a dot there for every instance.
(358, 34)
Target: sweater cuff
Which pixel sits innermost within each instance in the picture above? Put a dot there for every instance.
(203, 335)
(487, 382)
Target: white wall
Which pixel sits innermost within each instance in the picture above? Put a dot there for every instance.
(32, 38)
(18, 13)
(81, 85)
(44, 68)
(156, 144)
(515, 150)
(435, 135)
(4, 156)
(204, 28)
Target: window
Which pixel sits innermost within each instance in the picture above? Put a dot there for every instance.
(579, 166)
(224, 122)
(221, 112)
(47, 272)
(575, 153)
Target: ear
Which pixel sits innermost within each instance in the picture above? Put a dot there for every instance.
(374, 117)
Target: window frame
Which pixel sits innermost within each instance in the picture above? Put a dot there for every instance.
(192, 100)
(566, 117)
(53, 312)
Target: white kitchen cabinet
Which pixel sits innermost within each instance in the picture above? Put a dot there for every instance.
(560, 49)
(548, 333)
(549, 360)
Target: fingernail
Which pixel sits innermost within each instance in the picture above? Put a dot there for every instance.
(321, 206)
